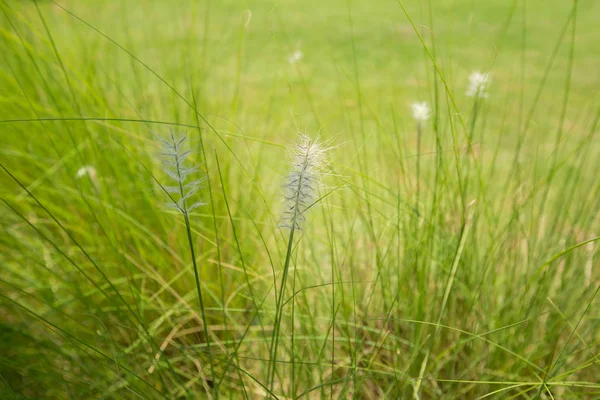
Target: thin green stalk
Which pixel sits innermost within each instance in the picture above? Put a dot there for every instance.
(279, 303)
(196, 276)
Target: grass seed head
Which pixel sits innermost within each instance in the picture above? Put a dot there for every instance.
(175, 154)
(478, 84)
(295, 57)
(300, 188)
(421, 111)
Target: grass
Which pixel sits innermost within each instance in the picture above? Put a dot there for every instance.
(457, 259)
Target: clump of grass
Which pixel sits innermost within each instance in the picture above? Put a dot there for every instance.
(486, 286)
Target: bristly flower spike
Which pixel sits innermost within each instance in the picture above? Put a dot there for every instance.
(300, 188)
(175, 154)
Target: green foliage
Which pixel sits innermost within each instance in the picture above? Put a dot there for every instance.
(455, 257)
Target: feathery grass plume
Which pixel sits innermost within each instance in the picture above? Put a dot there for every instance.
(175, 166)
(421, 111)
(478, 84)
(175, 154)
(307, 160)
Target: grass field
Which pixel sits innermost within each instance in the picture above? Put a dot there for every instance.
(452, 256)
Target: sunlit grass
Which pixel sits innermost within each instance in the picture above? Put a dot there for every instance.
(451, 256)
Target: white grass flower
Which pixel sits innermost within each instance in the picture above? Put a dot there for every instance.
(300, 188)
(421, 111)
(295, 57)
(478, 84)
(175, 153)
(86, 170)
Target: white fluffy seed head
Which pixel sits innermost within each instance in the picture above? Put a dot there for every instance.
(300, 188)
(478, 84)
(295, 57)
(421, 111)
(86, 170)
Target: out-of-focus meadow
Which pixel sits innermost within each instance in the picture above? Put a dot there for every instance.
(448, 251)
